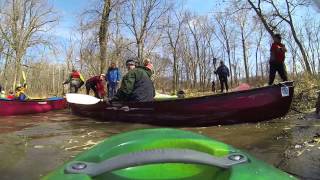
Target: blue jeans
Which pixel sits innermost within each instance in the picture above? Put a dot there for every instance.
(112, 89)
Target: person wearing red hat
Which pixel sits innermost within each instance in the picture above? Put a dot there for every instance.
(148, 65)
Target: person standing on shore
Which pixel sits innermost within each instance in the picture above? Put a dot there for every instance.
(223, 74)
(75, 81)
(276, 62)
(112, 77)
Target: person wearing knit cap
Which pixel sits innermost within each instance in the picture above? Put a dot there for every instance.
(136, 85)
(147, 64)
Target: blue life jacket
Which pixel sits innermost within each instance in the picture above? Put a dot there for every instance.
(22, 97)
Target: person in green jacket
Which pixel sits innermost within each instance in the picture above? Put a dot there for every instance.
(136, 85)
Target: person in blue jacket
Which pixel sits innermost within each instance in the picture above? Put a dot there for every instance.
(112, 77)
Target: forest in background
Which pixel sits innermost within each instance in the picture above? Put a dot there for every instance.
(184, 47)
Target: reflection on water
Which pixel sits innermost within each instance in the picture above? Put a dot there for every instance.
(36, 144)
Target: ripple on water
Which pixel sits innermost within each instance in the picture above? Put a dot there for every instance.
(37, 144)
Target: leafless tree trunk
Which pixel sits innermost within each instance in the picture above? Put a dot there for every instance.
(242, 21)
(103, 33)
(260, 35)
(226, 30)
(173, 33)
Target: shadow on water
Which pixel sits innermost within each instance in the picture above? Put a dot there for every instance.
(36, 144)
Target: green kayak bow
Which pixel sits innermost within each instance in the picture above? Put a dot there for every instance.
(170, 154)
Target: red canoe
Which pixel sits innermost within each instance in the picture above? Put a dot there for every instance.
(14, 107)
(251, 105)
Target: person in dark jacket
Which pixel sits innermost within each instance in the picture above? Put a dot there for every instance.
(223, 74)
(96, 83)
(276, 62)
(112, 77)
(136, 85)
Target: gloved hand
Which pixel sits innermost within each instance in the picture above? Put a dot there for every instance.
(115, 102)
(115, 98)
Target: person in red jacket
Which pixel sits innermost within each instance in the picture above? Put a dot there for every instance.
(75, 80)
(10, 95)
(277, 56)
(96, 83)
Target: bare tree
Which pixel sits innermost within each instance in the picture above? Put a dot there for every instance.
(226, 29)
(293, 49)
(260, 35)
(264, 18)
(22, 26)
(310, 33)
(193, 24)
(173, 33)
(242, 21)
(143, 17)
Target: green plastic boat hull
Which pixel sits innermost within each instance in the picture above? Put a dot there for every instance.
(155, 139)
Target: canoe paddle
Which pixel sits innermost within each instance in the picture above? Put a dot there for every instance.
(82, 99)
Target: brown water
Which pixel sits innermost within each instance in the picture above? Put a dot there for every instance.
(31, 146)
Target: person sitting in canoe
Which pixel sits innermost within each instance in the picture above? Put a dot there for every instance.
(75, 80)
(10, 96)
(136, 84)
(96, 83)
(2, 95)
(147, 63)
(20, 93)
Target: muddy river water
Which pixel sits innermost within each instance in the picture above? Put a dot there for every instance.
(33, 145)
